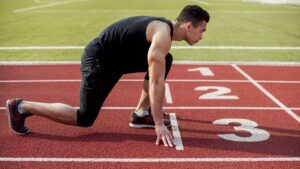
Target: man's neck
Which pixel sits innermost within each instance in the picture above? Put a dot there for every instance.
(177, 32)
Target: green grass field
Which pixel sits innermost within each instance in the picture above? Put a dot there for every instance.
(26, 23)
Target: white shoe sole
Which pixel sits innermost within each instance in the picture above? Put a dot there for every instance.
(141, 125)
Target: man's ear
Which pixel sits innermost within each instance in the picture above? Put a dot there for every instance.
(188, 26)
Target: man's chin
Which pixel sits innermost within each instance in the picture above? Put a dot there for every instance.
(191, 43)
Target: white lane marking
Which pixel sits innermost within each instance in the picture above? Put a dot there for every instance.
(199, 2)
(204, 71)
(176, 132)
(195, 108)
(239, 47)
(268, 94)
(168, 95)
(107, 11)
(205, 108)
(147, 160)
(141, 80)
(41, 47)
(226, 81)
(40, 81)
(218, 63)
(296, 64)
(43, 63)
(159, 11)
(44, 6)
(277, 81)
(173, 47)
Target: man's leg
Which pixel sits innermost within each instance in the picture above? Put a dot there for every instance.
(144, 102)
(142, 117)
(18, 110)
(95, 86)
(92, 96)
(143, 106)
(93, 93)
(58, 112)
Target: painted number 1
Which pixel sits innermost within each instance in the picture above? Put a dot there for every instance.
(257, 134)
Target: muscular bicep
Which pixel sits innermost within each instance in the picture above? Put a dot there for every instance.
(160, 46)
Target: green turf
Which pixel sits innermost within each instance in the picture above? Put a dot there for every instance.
(233, 23)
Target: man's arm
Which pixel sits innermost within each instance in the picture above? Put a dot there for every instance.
(160, 46)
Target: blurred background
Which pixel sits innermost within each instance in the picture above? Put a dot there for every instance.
(239, 30)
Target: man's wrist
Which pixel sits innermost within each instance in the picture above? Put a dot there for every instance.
(159, 124)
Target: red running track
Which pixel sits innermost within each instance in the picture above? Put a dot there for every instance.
(110, 143)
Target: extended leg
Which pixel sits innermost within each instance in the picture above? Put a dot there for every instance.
(58, 112)
(18, 110)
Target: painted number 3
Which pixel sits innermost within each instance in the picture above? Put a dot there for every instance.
(257, 134)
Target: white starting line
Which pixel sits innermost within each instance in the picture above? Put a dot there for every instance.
(173, 47)
(197, 108)
(218, 63)
(141, 80)
(149, 160)
(176, 132)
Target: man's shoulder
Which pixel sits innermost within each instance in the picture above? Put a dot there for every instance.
(159, 26)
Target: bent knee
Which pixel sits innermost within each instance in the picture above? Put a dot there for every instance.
(169, 59)
(85, 123)
(85, 119)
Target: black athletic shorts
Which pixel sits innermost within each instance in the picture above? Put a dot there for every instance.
(96, 83)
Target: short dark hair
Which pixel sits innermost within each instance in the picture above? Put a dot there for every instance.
(194, 14)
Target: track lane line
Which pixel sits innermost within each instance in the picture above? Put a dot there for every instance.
(268, 94)
(176, 132)
(199, 2)
(286, 48)
(45, 6)
(148, 160)
(141, 80)
(218, 63)
(196, 108)
(168, 95)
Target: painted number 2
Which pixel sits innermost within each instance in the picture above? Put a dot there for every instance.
(257, 134)
(219, 93)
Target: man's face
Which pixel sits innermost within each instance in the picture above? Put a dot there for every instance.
(195, 34)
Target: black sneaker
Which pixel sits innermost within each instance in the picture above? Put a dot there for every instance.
(16, 120)
(166, 115)
(145, 121)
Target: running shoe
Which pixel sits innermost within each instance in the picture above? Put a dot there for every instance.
(145, 121)
(16, 120)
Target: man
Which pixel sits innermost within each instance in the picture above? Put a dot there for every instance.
(135, 44)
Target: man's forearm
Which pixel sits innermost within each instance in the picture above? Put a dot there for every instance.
(156, 94)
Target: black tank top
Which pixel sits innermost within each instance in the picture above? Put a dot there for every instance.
(124, 43)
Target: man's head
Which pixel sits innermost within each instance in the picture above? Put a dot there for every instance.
(194, 14)
(193, 19)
